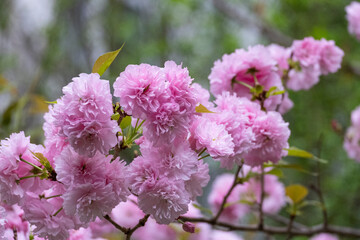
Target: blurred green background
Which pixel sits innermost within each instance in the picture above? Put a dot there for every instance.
(44, 43)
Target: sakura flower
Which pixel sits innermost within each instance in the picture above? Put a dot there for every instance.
(141, 89)
(352, 15)
(219, 235)
(271, 137)
(93, 185)
(14, 151)
(324, 236)
(166, 201)
(253, 67)
(351, 143)
(198, 180)
(82, 117)
(212, 136)
(49, 220)
(2, 222)
(330, 56)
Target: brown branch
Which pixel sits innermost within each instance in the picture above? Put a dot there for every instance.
(273, 34)
(15, 234)
(306, 231)
(128, 231)
(291, 221)
(285, 221)
(222, 206)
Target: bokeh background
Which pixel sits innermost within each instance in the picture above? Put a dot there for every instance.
(44, 43)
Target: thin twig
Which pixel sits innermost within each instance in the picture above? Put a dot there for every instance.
(15, 234)
(141, 223)
(285, 221)
(291, 221)
(306, 231)
(117, 226)
(128, 231)
(222, 206)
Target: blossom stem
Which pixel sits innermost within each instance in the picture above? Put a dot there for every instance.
(53, 196)
(202, 151)
(244, 84)
(207, 155)
(31, 164)
(30, 176)
(57, 212)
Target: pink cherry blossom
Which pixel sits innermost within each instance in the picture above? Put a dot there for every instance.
(48, 223)
(330, 56)
(82, 117)
(352, 15)
(198, 180)
(94, 186)
(212, 136)
(271, 137)
(324, 236)
(13, 149)
(220, 235)
(255, 66)
(351, 143)
(166, 201)
(355, 117)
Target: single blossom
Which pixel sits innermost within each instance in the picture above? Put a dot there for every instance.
(324, 236)
(353, 17)
(82, 117)
(271, 137)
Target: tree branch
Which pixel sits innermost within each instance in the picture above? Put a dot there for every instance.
(222, 206)
(306, 231)
(128, 231)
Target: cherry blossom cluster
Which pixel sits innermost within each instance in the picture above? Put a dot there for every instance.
(353, 17)
(263, 68)
(69, 187)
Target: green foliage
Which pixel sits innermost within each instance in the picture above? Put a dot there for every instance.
(104, 61)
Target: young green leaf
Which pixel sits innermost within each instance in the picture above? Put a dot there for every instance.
(202, 109)
(125, 122)
(104, 61)
(296, 152)
(296, 192)
(277, 172)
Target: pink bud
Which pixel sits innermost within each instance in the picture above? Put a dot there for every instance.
(188, 227)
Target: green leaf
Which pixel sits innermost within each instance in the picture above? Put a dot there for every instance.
(296, 192)
(296, 152)
(125, 122)
(277, 93)
(115, 116)
(38, 104)
(202, 109)
(291, 166)
(277, 172)
(43, 160)
(53, 102)
(104, 61)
